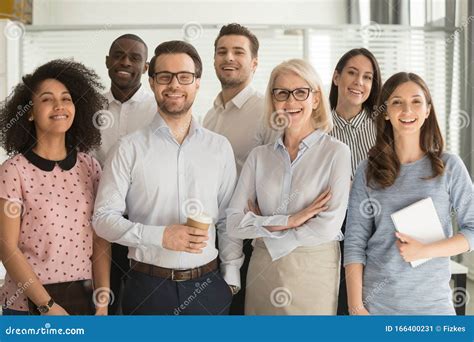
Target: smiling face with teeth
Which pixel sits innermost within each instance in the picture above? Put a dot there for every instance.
(53, 109)
(298, 112)
(407, 109)
(354, 83)
(126, 63)
(233, 61)
(174, 99)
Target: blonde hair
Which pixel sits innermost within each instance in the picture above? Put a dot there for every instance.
(321, 116)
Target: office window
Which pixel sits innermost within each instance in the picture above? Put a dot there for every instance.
(431, 53)
(91, 46)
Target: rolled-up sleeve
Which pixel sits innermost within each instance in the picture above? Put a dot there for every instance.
(461, 196)
(358, 226)
(230, 248)
(110, 204)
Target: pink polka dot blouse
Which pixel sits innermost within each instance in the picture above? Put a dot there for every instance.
(57, 201)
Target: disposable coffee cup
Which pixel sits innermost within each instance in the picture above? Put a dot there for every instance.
(201, 221)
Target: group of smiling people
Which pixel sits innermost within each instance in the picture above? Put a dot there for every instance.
(339, 165)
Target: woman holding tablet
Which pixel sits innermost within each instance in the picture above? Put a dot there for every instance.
(407, 164)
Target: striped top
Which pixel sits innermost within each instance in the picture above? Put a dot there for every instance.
(359, 134)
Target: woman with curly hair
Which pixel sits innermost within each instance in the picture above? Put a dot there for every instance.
(47, 192)
(406, 164)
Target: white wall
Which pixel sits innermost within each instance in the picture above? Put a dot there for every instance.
(162, 12)
(9, 61)
(9, 55)
(124, 14)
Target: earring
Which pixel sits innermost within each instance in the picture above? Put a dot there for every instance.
(31, 118)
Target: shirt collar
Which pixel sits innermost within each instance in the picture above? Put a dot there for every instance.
(307, 142)
(238, 100)
(48, 165)
(355, 122)
(159, 125)
(137, 97)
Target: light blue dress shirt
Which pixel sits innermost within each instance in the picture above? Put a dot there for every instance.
(158, 182)
(283, 187)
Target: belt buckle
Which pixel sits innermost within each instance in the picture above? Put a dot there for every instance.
(173, 278)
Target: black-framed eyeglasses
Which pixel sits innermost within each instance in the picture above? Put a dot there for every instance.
(166, 77)
(299, 94)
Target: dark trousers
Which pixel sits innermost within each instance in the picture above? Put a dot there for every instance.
(10, 312)
(238, 302)
(148, 295)
(342, 305)
(119, 269)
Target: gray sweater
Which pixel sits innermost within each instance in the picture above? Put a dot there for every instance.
(390, 285)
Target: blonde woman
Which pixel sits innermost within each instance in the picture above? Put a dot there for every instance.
(291, 198)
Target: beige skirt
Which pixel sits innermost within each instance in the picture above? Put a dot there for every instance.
(304, 282)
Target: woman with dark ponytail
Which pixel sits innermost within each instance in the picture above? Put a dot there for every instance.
(407, 164)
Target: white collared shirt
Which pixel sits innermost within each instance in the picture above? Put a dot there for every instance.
(126, 118)
(282, 188)
(241, 120)
(159, 183)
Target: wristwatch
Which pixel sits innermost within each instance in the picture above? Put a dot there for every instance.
(45, 308)
(234, 289)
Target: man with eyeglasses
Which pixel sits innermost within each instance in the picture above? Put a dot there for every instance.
(163, 174)
(129, 107)
(237, 112)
